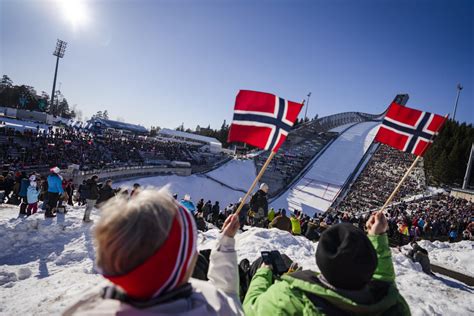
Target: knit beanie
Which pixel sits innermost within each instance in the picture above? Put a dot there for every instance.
(166, 268)
(346, 257)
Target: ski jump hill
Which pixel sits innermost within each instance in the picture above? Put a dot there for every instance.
(312, 190)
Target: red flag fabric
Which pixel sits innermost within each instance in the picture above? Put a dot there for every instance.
(409, 130)
(262, 119)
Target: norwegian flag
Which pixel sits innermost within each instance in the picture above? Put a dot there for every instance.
(409, 130)
(262, 119)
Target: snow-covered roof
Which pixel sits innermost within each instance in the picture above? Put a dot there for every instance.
(205, 139)
(120, 125)
(21, 125)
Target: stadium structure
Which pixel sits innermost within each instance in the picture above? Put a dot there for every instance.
(313, 171)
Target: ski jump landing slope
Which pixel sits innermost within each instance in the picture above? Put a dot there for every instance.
(225, 184)
(319, 187)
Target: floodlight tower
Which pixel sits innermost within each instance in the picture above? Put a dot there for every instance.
(59, 53)
(307, 105)
(459, 88)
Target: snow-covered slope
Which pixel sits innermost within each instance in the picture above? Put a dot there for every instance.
(317, 189)
(237, 173)
(46, 265)
(224, 184)
(197, 186)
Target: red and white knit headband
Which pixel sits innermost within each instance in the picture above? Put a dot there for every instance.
(167, 267)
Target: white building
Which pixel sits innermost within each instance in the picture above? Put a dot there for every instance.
(209, 143)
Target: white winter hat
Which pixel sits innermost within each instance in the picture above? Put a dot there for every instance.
(55, 170)
(187, 197)
(264, 187)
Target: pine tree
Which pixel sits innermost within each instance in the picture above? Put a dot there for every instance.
(6, 82)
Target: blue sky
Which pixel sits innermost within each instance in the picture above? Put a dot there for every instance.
(167, 62)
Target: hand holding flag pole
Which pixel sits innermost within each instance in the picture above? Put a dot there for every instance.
(262, 120)
(395, 132)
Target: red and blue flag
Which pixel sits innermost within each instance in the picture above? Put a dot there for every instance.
(409, 130)
(262, 119)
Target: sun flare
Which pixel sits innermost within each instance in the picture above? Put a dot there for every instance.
(75, 12)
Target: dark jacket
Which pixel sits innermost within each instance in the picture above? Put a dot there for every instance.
(281, 222)
(312, 232)
(207, 209)
(9, 183)
(215, 210)
(92, 190)
(243, 213)
(200, 205)
(259, 201)
(24, 184)
(105, 194)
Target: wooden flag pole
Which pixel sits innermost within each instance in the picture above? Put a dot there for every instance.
(260, 174)
(399, 185)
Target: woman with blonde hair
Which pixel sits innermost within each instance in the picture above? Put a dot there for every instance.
(147, 248)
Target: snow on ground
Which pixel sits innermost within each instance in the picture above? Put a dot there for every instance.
(317, 189)
(427, 295)
(455, 256)
(47, 265)
(237, 173)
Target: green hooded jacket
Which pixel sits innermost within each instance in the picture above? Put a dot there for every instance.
(287, 296)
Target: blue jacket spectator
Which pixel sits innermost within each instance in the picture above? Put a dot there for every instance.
(55, 184)
(188, 204)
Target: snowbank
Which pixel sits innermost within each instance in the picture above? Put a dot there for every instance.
(47, 265)
(457, 256)
(427, 295)
(255, 240)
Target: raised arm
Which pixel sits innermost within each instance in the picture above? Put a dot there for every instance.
(376, 227)
(223, 270)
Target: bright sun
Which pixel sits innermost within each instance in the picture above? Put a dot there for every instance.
(74, 12)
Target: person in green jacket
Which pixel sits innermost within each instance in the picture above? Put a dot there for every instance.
(295, 225)
(357, 278)
(271, 215)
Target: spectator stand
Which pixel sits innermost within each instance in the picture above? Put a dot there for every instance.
(378, 179)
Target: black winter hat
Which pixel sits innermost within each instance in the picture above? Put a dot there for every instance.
(346, 257)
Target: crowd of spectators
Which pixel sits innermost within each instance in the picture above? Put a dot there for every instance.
(380, 177)
(439, 217)
(65, 146)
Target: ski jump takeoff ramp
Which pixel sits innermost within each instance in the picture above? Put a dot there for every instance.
(319, 187)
